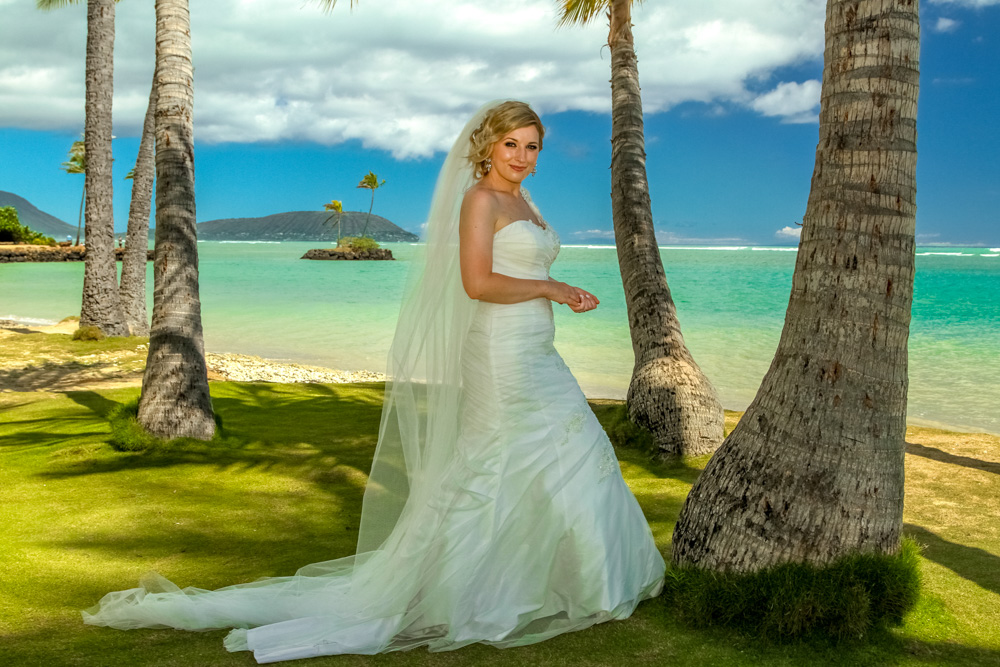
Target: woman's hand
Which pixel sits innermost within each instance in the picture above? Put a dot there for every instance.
(579, 300)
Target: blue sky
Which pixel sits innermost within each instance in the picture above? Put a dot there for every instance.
(293, 107)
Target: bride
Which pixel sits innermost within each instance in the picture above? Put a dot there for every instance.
(495, 511)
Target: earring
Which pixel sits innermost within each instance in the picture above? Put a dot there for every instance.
(487, 165)
(534, 170)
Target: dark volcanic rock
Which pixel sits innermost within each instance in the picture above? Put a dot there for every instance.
(44, 253)
(330, 253)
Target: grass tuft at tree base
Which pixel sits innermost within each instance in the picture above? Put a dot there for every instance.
(623, 432)
(128, 435)
(848, 598)
(88, 333)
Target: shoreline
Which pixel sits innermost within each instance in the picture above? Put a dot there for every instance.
(115, 369)
(11, 253)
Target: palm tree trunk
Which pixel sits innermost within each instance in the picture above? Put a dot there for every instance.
(133, 281)
(814, 470)
(369, 216)
(79, 217)
(100, 306)
(175, 400)
(668, 393)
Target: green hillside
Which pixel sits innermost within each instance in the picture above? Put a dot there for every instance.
(301, 226)
(40, 221)
(291, 226)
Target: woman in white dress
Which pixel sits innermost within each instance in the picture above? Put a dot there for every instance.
(495, 511)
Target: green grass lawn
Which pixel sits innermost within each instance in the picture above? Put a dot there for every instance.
(78, 519)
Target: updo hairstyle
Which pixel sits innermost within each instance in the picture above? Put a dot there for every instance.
(500, 120)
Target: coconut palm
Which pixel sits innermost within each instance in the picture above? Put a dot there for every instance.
(77, 164)
(132, 289)
(338, 213)
(814, 470)
(101, 306)
(668, 393)
(175, 400)
(370, 182)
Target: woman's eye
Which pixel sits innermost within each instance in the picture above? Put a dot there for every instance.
(510, 144)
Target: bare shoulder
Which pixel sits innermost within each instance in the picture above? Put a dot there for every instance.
(480, 205)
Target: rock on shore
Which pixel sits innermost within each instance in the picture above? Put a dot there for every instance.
(44, 253)
(340, 253)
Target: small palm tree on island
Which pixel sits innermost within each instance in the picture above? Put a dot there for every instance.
(77, 164)
(338, 212)
(370, 182)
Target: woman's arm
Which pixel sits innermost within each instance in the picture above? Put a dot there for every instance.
(476, 228)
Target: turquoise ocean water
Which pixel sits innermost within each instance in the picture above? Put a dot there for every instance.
(259, 298)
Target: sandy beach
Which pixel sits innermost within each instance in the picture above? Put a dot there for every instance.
(27, 366)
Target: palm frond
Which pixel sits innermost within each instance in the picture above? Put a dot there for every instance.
(328, 5)
(47, 5)
(77, 162)
(580, 12)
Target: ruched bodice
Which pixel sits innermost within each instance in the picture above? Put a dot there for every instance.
(523, 249)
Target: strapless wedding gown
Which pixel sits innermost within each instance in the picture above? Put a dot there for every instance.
(531, 533)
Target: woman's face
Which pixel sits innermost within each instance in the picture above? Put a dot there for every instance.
(515, 154)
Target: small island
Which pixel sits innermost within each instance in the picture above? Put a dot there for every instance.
(348, 254)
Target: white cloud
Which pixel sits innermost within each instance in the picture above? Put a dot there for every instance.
(788, 233)
(595, 233)
(664, 237)
(400, 75)
(794, 102)
(946, 25)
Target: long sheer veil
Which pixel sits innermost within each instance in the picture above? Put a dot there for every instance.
(420, 412)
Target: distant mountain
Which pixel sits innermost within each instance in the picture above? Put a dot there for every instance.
(301, 226)
(292, 226)
(40, 221)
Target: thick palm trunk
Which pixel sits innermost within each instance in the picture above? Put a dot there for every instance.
(175, 400)
(133, 280)
(101, 306)
(814, 470)
(668, 393)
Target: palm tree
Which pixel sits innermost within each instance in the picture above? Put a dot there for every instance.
(101, 306)
(175, 400)
(668, 393)
(814, 470)
(132, 289)
(77, 164)
(338, 211)
(370, 182)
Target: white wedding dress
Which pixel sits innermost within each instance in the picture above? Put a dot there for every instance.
(529, 532)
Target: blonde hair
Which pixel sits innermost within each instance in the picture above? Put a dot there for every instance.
(500, 120)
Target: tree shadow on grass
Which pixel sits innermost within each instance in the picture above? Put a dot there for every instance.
(942, 456)
(643, 639)
(24, 433)
(210, 536)
(93, 401)
(60, 375)
(320, 432)
(971, 563)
